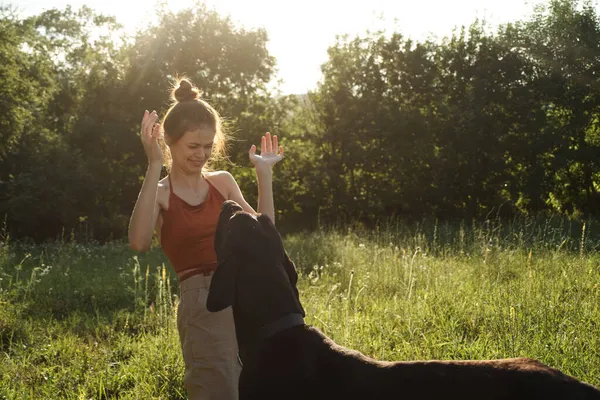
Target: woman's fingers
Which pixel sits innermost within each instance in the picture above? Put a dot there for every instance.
(156, 131)
(268, 145)
(153, 118)
(148, 124)
(275, 144)
(147, 116)
(269, 148)
(144, 122)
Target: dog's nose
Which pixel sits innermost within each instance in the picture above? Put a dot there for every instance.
(231, 206)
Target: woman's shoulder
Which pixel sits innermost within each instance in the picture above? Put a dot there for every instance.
(223, 177)
(223, 181)
(218, 175)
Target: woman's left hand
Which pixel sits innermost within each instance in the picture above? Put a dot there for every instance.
(270, 153)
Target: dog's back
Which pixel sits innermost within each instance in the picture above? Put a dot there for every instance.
(303, 363)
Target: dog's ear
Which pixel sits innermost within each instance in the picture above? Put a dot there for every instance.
(277, 246)
(282, 256)
(222, 286)
(290, 269)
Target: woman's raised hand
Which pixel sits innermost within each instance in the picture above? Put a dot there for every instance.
(150, 134)
(270, 153)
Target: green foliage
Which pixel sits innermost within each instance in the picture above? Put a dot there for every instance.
(484, 122)
(26, 83)
(71, 159)
(481, 122)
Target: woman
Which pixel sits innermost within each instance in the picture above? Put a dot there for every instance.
(183, 208)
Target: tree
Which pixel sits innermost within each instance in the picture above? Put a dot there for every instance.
(563, 41)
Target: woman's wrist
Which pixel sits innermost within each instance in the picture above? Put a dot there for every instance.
(152, 165)
(263, 174)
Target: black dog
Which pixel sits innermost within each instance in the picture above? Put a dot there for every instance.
(285, 359)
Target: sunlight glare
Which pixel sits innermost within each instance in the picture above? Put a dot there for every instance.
(300, 32)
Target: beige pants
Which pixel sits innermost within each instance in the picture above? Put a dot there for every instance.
(209, 344)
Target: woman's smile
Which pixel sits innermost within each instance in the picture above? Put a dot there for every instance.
(197, 162)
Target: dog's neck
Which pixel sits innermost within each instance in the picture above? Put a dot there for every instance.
(281, 324)
(250, 341)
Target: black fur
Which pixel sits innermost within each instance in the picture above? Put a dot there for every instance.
(256, 277)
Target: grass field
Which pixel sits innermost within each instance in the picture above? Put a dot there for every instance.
(98, 322)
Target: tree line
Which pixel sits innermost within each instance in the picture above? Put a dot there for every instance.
(501, 120)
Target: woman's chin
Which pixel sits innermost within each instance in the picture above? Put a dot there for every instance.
(196, 166)
(191, 168)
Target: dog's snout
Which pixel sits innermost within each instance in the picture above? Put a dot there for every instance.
(231, 206)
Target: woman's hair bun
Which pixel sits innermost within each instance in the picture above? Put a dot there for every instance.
(185, 91)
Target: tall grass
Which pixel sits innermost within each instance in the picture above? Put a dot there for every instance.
(97, 321)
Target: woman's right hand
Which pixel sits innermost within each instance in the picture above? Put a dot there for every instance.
(150, 134)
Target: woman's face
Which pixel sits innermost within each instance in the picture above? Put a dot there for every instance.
(193, 149)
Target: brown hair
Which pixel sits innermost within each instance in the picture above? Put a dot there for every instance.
(189, 113)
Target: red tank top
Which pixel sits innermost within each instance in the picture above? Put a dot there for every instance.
(188, 232)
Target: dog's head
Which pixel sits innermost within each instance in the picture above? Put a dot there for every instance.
(255, 275)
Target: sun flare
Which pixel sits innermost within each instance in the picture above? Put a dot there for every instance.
(300, 32)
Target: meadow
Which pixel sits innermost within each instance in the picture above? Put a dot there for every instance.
(97, 321)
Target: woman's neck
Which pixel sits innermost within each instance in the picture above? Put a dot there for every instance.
(186, 180)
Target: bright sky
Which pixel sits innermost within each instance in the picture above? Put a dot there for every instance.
(301, 31)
